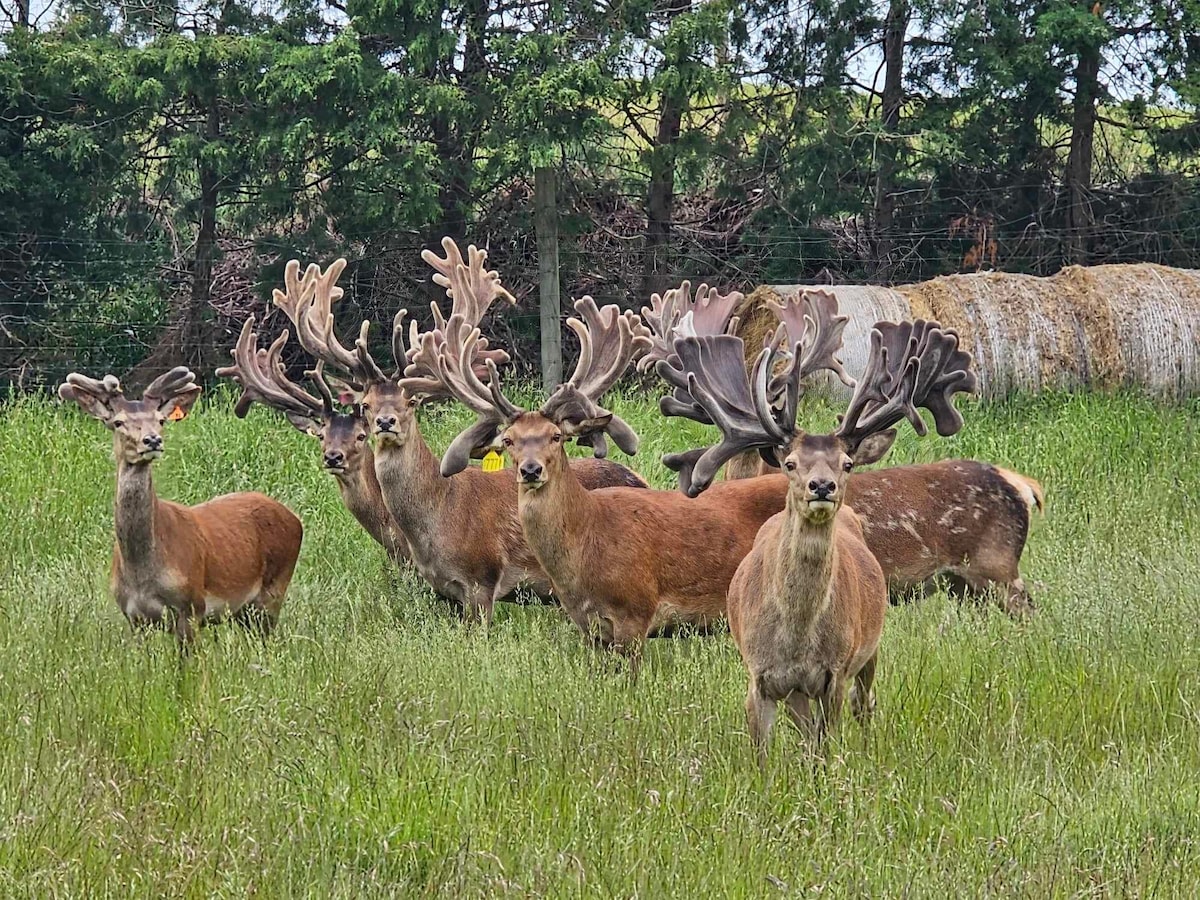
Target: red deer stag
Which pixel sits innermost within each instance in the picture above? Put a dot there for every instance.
(958, 519)
(182, 565)
(617, 557)
(346, 451)
(463, 534)
(806, 605)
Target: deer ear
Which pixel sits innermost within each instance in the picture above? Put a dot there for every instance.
(582, 427)
(181, 404)
(873, 447)
(769, 455)
(90, 403)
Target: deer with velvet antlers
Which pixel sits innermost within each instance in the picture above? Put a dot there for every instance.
(345, 450)
(620, 559)
(806, 605)
(463, 534)
(174, 565)
(958, 520)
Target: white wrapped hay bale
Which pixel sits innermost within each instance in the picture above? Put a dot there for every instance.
(1086, 327)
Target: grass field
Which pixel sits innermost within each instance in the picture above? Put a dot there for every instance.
(375, 747)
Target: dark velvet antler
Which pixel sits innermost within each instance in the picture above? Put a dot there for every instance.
(911, 365)
(709, 371)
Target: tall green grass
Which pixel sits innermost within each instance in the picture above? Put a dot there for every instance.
(375, 747)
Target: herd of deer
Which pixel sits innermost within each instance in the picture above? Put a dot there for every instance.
(800, 561)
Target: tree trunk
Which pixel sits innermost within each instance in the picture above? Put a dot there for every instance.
(22, 13)
(546, 225)
(660, 194)
(1079, 159)
(894, 30)
(191, 339)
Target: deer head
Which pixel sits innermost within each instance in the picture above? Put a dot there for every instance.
(137, 425)
(264, 380)
(609, 341)
(911, 365)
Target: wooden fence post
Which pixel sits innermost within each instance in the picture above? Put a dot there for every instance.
(546, 226)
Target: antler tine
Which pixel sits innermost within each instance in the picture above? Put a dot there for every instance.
(399, 353)
(812, 320)
(308, 303)
(675, 314)
(261, 375)
(318, 376)
(108, 386)
(609, 340)
(710, 371)
(911, 365)
(661, 317)
(712, 312)
(169, 383)
(471, 287)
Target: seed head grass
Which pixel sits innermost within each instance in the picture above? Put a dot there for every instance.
(376, 747)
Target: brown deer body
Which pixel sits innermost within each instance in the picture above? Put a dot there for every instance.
(806, 609)
(614, 555)
(345, 449)
(959, 520)
(175, 565)
(807, 604)
(463, 535)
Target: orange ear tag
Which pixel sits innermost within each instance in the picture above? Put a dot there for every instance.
(176, 414)
(493, 461)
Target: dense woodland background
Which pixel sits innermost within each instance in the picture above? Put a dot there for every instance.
(162, 160)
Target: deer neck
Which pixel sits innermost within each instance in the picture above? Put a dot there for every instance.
(363, 497)
(802, 575)
(556, 519)
(410, 478)
(134, 515)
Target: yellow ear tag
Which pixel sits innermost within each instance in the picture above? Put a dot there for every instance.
(493, 461)
(176, 414)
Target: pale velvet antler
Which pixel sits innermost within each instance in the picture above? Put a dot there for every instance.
(676, 314)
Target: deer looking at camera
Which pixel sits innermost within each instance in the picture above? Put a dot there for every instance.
(959, 520)
(806, 605)
(346, 452)
(463, 534)
(180, 565)
(617, 557)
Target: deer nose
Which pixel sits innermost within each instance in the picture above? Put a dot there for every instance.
(385, 423)
(822, 488)
(334, 458)
(531, 471)
(153, 441)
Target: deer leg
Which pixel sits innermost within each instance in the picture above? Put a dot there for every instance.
(760, 716)
(185, 633)
(862, 698)
(478, 607)
(258, 617)
(1004, 588)
(829, 707)
(799, 710)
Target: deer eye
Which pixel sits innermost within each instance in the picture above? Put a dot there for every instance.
(412, 401)
(361, 437)
(118, 423)
(555, 438)
(848, 465)
(790, 466)
(507, 442)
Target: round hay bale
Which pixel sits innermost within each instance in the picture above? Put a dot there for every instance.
(1097, 327)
